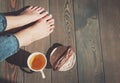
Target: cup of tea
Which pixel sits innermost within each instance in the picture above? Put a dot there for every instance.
(37, 62)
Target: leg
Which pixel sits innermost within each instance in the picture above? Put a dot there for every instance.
(41, 29)
(29, 15)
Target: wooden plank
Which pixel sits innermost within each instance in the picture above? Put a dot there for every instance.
(11, 5)
(9, 71)
(62, 11)
(41, 46)
(110, 36)
(89, 56)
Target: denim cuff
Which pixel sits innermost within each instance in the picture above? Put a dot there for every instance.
(9, 45)
(3, 23)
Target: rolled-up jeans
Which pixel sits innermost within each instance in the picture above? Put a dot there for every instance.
(9, 44)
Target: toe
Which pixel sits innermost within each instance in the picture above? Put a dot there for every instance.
(48, 17)
(51, 30)
(40, 10)
(44, 14)
(34, 8)
(30, 7)
(51, 21)
(51, 27)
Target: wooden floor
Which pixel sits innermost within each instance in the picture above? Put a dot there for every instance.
(92, 27)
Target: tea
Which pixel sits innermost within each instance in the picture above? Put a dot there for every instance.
(37, 62)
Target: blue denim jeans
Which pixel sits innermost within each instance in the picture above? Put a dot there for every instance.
(9, 44)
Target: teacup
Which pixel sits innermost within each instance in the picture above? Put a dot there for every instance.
(37, 62)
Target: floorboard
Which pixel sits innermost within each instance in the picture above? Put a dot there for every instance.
(109, 13)
(89, 56)
(62, 11)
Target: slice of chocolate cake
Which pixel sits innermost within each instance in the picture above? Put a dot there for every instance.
(62, 58)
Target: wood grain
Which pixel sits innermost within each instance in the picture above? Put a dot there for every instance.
(89, 56)
(13, 3)
(10, 5)
(110, 37)
(62, 11)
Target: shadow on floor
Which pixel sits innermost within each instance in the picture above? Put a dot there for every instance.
(49, 52)
(20, 58)
(15, 13)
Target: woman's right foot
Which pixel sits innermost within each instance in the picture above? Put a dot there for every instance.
(42, 28)
(29, 15)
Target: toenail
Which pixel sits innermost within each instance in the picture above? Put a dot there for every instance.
(50, 15)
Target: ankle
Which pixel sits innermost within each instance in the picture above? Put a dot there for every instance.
(13, 22)
(24, 37)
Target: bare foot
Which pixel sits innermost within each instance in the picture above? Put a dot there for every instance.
(29, 15)
(41, 29)
(33, 13)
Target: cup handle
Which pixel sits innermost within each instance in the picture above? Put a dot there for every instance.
(43, 74)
